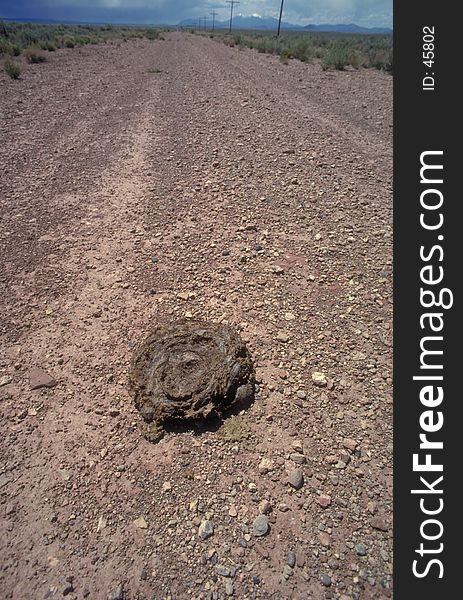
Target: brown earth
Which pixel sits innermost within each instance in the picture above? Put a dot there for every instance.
(182, 178)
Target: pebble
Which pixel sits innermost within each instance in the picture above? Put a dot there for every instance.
(282, 337)
(325, 539)
(222, 570)
(298, 447)
(296, 478)
(298, 458)
(140, 523)
(291, 559)
(232, 511)
(287, 571)
(325, 580)
(378, 523)
(324, 501)
(260, 526)
(40, 379)
(265, 507)
(266, 465)
(361, 549)
(205, 530)
(229, 588)
(319, 379)
(118, 593)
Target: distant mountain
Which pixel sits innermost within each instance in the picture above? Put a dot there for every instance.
(268, 23)
(342, 28)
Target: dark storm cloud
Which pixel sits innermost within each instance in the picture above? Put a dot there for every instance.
(362, 12)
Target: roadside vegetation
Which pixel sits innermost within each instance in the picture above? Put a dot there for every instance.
(334, 50)
(32, 40)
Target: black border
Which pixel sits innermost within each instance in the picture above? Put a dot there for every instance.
(425, 120)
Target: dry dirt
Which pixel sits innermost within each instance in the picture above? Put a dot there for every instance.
(152, 180)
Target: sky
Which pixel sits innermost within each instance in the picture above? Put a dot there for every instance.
(367, 13)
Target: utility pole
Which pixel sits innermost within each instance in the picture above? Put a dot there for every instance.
(213, 13)
(205, 23)
(231, 3)
(279, 20)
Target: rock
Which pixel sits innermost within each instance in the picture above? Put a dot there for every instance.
(291, 559)
(324, 501)
(287, 571)
(349, 444)
(361, 549)
(232, 511)
(282, 337)
(299, 459)
(5, 380)
(300, 558)
(266, 465)
(114, 411)
(325, 539)
(65, 474)
(289, 316)
(166, 486)
(140, 523)
(222, 570)
(325, 580)
(118, 593)
(379, 523)
(265, 507)
(301, 394)
(229, 588)
(319, 379)
(297, 445)
(205, 530)
(260, 526)
(40, 379)
(296, 478)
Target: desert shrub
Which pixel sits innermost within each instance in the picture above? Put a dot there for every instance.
(48, 45)
(68, 42)
(12, 69)
(34, 55)
(335, 58)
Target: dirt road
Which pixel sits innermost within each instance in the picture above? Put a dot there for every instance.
(152, 180)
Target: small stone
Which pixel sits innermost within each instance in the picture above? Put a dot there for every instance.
(114, 411)
(349, 444)
(361, 549)
(118, 593)
(325, 539)
(291, 559)
(101, 523)
(296, 478)
(65, 474)
(205, 530)
(325, 580)
(299, 459)
(301, 394)
(5, 380)
(324, 501)
(287, 571)
(300, 559)
(232, 511)
(222, 570)
(297, 445)
(40, 379)
(266, 465)
(255, 580)
(166, 486)
(379, 523)
(265, 507)
(229, 588)
(282, 337)
(319, 379)
(289, 316)
(140, 523)
(260, 526)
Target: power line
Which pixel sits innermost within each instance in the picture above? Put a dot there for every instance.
(232, 3)
(279, 20)
(214, 14)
